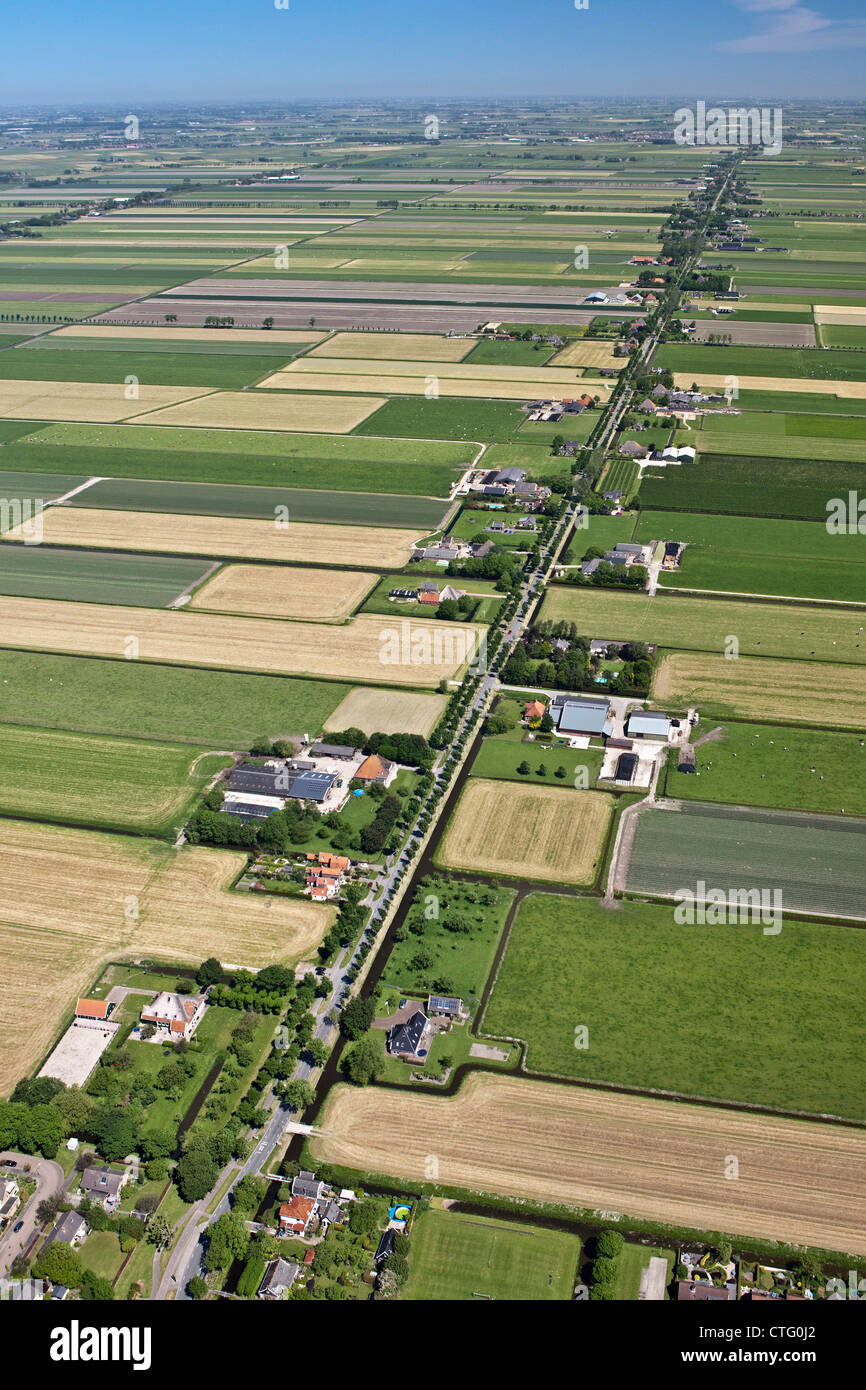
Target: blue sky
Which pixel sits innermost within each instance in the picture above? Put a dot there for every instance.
(119, 51)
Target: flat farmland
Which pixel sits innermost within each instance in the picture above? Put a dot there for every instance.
(705, 624)
(847, 388)
(482, 386)
(256, 458)
(588, 354)
(234, 410)
(815, 447)
(387, 711)
(552, 834)
(651, 1159)
(765, 765)
(180, 704)
(445, 419)
(121, 896)
(647, 984)
(752, 556)
(817, 863)
(150, 581)
(457, 1257)
(45, 360)
(278, 591)
(799, 692)
(82, 400)
(116, 784)
(427, 347)
(359, 650)
(105, 332)
(296, 506)
(757, 333)
(553, 379)
(725, 482)
(232, 536)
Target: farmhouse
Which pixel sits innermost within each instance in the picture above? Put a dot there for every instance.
(648, 724)
(374, 769)
(632, 450)
(534, 709)
(176, 1014)
(278, 1278)
(411, 1040)
(307, 1185)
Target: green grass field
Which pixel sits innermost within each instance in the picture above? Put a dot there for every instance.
(143, 581)
(760, 556)
(455, 1258)
(254, 458)
(151, 368)
(500, 757)
(196, 706)
(436, 955)
(515, 354)
(600, 533)
(706, 624)
(769, 765)
(110, 783)
(721, 1012)
(762, 361)
(818, 864)
(216, 499)
(752, 486)
(443, 419)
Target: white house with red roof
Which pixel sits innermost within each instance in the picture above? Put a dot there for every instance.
(176, 1014)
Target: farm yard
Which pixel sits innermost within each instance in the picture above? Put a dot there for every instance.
(536, 832)
(649, 1158)
(647, 985)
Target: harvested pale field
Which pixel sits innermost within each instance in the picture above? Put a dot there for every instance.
(591, 354)
(87, 401)
(387, 712)
(483, 387)
(180, 534)
(852, 317)
(450, 371)
(552, 834)
(415, 654)
(714, 381)
(652, 1160)
(798, 692)
(72, 899)
(396, 346)
(190, 335)
(236, 410)
(278, 591)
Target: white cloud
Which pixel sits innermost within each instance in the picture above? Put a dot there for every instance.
(788, 27)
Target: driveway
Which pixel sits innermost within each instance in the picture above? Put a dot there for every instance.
(50, 1180)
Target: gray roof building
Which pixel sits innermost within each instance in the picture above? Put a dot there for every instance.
(588, 717)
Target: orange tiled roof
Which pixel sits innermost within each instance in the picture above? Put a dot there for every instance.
(371, 768)
(91, 1008)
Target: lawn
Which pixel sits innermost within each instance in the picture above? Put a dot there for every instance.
(835, 365)
(771, 765)
(109, 783)
(455, 1257)
(101, 1253)
(600, 533)
(712, 1011)
(513, 354)
(631, 1262)
(500, 757)
(222, 708)
(144, 581)
(451, 952)
(445, 418)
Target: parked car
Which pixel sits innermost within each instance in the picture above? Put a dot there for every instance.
(9, 1163)
(18, 1225)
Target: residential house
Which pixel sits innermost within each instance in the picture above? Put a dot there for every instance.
(632, 450)
(296, 1215)
(332, 1215)
(430, 598)
(278, 1278)
(411, 1040)
(446, 1006)
(9, 1198)
(176, 1014)
(71, 1229)
(386, 1246)
(307, 1185)
(374, 769)
(689, 1291)
(534, 709)
(103, 1185)
(647, 407)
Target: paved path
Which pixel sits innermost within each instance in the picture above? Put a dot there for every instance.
(50, 1181)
